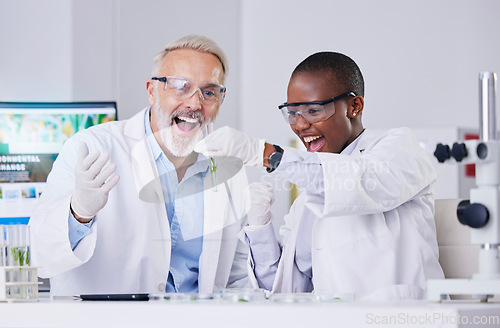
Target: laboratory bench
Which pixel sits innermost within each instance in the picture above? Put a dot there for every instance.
(56, 313)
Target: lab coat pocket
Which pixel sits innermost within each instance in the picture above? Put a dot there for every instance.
(332, 232)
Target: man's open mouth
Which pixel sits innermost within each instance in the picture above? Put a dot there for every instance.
(186, 124)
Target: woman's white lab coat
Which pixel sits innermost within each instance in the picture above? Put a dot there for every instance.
(375, 234)
(128, 249)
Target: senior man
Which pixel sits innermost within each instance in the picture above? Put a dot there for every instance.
(129, 207)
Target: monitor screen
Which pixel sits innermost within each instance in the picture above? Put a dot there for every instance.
(31, 135)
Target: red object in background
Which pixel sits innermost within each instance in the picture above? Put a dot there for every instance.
(470, 169)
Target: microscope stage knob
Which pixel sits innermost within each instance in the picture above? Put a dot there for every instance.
(473, 215)
(442, 152)
(458, 151)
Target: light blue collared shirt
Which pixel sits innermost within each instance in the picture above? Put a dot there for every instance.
(184, 203)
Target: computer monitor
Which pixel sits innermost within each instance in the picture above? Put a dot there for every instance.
(31, 135)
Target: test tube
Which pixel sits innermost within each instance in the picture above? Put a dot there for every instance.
(18, 245)
(3, 246)
(209, 127)
(21, 279)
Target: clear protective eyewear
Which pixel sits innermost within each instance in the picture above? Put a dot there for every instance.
(311, 112)
(182, 88)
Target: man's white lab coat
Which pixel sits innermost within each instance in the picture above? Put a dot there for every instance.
(374, 234)
(128, 248)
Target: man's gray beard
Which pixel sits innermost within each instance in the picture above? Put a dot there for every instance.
(176, 145)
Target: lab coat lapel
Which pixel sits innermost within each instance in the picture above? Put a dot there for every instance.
(287, 273)
(145, 173)
(215, 205)
(365, 141)
(361, 144)
(146, 177)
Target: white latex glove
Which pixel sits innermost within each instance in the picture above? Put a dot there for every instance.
(91, 188)
(262, 197)
(230, 142)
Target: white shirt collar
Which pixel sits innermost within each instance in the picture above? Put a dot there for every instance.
(350, 148)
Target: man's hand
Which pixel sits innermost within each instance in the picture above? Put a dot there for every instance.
(262, 197)
(229, 142)
(92, 183)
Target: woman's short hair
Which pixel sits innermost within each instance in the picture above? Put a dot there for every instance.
(340, 66)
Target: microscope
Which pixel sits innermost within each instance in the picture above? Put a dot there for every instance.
(482, 211)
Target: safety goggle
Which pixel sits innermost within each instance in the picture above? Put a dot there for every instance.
(183, 88)
(311, 112)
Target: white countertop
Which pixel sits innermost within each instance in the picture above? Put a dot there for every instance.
(76, 313)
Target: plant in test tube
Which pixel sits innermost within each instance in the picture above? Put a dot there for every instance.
(21, 255)
(213, 167)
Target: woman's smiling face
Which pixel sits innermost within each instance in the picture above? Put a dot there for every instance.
(333, 134)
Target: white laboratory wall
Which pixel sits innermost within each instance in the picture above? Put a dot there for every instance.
(36, 50)
(94, 69)
(57, 50)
